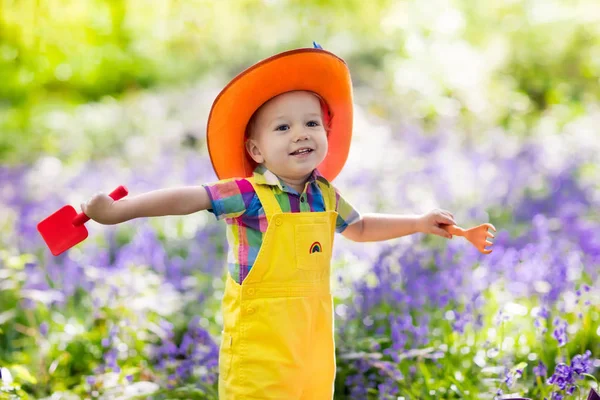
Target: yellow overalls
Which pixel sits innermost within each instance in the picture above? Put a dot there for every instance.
(278, 324)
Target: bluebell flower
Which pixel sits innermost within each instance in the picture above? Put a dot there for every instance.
(540, 369)
(44, 328)
(581, 364)
(562, 377)
(560, 332)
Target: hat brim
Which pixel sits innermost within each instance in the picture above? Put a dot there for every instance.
(308, 69)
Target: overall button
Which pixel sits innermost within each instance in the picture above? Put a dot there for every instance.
(278, 221)
(249, 310)
(251, 291)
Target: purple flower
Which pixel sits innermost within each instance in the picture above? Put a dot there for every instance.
(508, 379)
(172, 380)
(557, 396)
(182, 371)
(540, 370)
(563, 376)
(581, 364)
(44, 328)
(110, 358)
(560, 333)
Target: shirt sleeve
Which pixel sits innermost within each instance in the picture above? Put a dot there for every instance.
(347, 214)
(229, 198)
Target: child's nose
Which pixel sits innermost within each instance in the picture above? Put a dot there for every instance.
(302, 135)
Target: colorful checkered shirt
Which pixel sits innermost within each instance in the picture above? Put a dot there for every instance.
(236, 201)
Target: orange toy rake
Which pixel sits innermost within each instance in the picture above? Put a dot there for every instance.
(478, 236)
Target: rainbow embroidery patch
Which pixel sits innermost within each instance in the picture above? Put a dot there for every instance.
(316, 248)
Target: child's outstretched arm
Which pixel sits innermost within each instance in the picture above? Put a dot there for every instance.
(377, 227)
(174, 201)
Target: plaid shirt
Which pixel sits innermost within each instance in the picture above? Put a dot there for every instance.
(236, 201)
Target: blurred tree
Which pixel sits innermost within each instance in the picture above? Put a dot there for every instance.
(530, 55)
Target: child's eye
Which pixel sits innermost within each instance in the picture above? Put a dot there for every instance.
(312, 123)
(283, 127)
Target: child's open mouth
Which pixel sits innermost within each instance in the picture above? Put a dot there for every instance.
(302, 152)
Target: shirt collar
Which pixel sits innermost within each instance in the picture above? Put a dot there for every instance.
(263, 176)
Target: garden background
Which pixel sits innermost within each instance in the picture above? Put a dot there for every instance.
(489, 109)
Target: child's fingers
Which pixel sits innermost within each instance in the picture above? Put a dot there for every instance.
(448, 213)
(441, 232)
(444, 219)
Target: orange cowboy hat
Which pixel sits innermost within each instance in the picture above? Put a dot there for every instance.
(311, 69)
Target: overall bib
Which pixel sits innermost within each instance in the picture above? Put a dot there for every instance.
(277, 338)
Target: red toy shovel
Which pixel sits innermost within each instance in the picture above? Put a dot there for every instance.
(64, 229)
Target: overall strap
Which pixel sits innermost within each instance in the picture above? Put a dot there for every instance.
(328, 193)
(267, 198)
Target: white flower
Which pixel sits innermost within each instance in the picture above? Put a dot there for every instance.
(5, 376)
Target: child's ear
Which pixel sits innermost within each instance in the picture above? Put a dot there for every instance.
(254, 151)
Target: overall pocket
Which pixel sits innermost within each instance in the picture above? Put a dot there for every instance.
(313, 246)
(225, 354)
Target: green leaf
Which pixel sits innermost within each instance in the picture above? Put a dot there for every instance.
(22, 374)
(426, 375)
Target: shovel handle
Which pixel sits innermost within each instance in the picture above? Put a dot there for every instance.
(116, 194)
(453, 229)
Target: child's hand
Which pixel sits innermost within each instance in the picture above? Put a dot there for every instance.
(430, 222)
(101, 208)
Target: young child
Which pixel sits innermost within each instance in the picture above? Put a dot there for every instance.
(278, 134)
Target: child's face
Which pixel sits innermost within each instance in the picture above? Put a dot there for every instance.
(288, 135)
